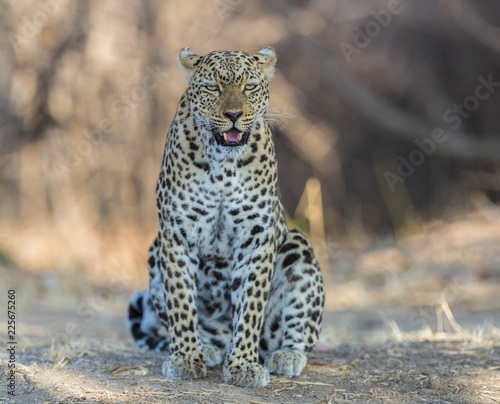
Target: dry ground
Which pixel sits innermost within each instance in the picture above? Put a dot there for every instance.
(450, 370)
(392, 372)
(417, 320)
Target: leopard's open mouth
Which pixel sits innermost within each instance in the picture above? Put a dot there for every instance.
(232, 137)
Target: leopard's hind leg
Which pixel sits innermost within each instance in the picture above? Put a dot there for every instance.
(294, 310)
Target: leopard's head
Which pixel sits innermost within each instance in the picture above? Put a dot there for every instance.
(229, 91)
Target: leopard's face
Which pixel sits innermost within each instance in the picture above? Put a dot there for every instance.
(229, 91)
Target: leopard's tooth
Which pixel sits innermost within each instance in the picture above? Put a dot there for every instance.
(239, 137)
(225, 137)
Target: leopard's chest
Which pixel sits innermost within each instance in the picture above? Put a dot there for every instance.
(221, 197)
(216, 217)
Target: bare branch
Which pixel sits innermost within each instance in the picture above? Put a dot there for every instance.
(471, 23)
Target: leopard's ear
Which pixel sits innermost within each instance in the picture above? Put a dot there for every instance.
(188, 61)
(267, 58)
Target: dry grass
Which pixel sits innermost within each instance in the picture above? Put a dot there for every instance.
(399, 315)
(457, 260)
(448, 368)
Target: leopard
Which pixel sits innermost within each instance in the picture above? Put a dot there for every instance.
(229, 283)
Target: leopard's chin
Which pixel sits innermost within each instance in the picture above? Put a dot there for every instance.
(231, 138)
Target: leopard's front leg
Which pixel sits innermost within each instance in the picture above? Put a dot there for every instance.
(251, 282)
(179, 265)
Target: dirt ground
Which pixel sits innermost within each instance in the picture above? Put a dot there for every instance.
(393, 372)
(413, 321)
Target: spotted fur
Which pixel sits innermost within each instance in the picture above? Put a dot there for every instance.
(228, 280)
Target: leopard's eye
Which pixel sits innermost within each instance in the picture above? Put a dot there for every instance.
(250, 87)
(212, 87)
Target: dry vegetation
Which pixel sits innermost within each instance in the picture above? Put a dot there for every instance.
(431, 371)
(413, 321)
(88, 89)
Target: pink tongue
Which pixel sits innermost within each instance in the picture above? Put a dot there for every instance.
(233, 135)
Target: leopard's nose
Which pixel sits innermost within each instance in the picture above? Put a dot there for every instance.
(233, 115)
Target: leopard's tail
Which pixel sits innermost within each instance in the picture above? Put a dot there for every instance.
(144, 324)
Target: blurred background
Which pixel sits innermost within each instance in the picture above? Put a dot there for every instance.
(386, 119)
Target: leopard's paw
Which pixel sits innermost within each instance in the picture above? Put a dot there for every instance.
(289, 362)
(185, 365)
(245, 374)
